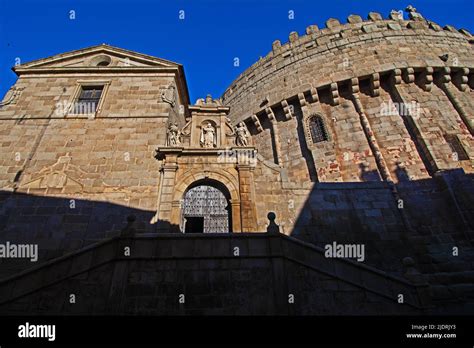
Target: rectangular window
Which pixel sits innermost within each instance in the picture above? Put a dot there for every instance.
(456, 147)
(88, 100)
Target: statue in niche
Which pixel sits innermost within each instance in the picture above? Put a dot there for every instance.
(241, 135)
(173, 135)
(208, 136)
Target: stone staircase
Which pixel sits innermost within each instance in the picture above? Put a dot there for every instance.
(258, 269)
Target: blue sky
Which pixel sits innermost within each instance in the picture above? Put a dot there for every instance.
(206, 42)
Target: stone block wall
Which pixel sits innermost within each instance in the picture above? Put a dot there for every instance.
(201, 275)
(396, 145)
(316, 69)
(127, 96)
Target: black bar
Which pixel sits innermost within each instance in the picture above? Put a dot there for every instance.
(134, 331)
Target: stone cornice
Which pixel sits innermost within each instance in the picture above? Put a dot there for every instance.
(348, 78)
(103, 48)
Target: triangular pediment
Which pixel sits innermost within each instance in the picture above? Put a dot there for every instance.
(101, 56)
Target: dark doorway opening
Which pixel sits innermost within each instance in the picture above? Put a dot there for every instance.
(194, 224)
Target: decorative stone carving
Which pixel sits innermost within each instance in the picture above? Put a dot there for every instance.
(409, 75)
(396, 15)
(314, 95)
(375, 84)
(60, 175)
(14, 93)
(334, 93)
(168, 95)
(412, 14)
(461, 79)
(241, 135)
(425, 79)
(257, 123)
(396, 76)
(286, 109)
(355, 85)
(302, 99)
(173, 135)
(208, 136)
(208, 101)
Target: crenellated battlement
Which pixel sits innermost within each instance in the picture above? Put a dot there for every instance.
(336, 37)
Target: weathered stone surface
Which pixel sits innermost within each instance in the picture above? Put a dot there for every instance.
(353, 19)
(375, 16)
(332, 23)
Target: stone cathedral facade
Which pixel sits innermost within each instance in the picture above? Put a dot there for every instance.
(359, 133)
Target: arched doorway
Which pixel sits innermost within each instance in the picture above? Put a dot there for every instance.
(206, 208)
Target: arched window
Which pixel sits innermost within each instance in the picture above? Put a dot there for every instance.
(317, 129)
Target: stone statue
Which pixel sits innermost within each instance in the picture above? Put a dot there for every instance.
(173, 135)
(412, 14)
(241, 135)
(208, 138)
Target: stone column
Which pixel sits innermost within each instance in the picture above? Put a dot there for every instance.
(168, 212)
(236, 216)
(247, 198)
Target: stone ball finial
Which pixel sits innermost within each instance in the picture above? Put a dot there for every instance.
(272, 226)
(129, 229)
(408, 262)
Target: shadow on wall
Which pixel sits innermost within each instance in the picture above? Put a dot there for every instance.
(368, 175)
(61, 225)
(410, 218)
(432, 212)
